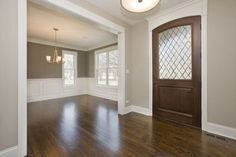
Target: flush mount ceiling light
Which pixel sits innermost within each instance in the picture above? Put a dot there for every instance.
(139, 6)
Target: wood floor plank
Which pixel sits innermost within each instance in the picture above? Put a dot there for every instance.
(87, 126)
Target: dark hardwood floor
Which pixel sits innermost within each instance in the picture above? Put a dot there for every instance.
(86, 126)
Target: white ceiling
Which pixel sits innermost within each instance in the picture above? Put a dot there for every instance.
(73, 32)
(114, 8)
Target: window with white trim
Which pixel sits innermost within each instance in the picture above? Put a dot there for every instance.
(107, 61)
(69, 68)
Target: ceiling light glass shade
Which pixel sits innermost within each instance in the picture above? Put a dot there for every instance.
(48, 58)
(139, 6)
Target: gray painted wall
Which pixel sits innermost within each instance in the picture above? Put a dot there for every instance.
(37, 66)
(221, 62)
(140, 65)
(8, 70)
(90, 64)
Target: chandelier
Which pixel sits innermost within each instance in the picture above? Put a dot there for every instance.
(138, 6)
(55, 59)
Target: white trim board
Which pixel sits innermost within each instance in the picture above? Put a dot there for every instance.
(221, 130)
(10, 152)
(46, 89)
(22, 78)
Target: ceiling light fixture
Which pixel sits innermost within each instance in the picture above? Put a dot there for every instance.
(55, 59)
(139, 6)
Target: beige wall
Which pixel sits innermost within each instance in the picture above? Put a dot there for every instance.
(140, 65)
(8, 76)
(37, 66)
(222, 62)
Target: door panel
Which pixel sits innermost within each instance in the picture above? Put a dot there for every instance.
(177, 71)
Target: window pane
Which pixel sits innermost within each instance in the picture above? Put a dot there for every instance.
(102, 60)
(69, 61)
(113, 59)
(113, 77)
(69, 77)
(102, 77)
(175, 53)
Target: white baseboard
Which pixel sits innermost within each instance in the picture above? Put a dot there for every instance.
(221, 130)
(137, 109)
(141, 110)
(57, 96)
(10, 152)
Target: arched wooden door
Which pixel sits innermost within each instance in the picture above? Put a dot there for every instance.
(177, 71)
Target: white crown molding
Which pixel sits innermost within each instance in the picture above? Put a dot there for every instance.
(44, 42)
(10, 152)
(102, 44)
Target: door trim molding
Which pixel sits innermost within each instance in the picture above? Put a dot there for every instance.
(22, 62)
(190, 8)
(22, 78)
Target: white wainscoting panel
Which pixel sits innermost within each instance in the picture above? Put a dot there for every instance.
(102, 91)
(44, 89)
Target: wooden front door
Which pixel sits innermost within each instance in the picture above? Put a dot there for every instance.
(177, 71)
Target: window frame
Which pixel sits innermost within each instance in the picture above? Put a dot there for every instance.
(75, 69)
(105, 50)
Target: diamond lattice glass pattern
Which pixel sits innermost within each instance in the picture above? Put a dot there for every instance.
(175, 53)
